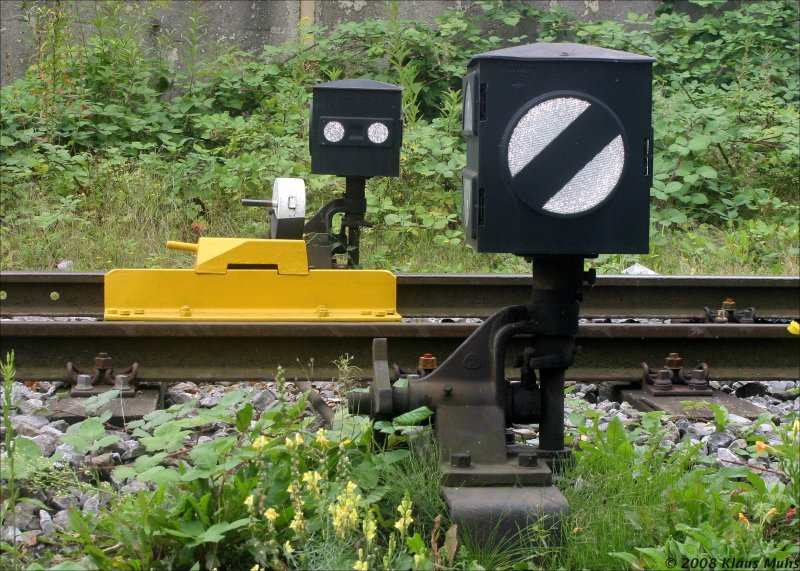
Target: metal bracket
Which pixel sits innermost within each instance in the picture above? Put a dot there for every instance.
(102, 376)
(673, 380)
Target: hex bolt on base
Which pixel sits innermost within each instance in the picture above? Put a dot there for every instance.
(674, 380)
(729, 314)
(102, 376)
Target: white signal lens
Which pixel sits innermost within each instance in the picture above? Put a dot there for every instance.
(593, 183)
(333, 131)
(378, 133)
(539, 127)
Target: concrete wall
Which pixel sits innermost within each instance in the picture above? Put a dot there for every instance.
(250, 24)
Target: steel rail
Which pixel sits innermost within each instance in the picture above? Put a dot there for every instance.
(459, 295)
(247, 351)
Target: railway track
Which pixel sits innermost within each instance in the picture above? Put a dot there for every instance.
(246, 351)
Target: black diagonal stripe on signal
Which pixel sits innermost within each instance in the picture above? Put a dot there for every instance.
(565, 156)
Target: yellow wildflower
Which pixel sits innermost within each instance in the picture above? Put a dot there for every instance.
(351, 486)
(287, 548)
(312, 480)
(345, 511)
(260, 442)
(419, 559)
(405, 520)
(271, 514)
(298, 438)
(762, 447)
(256, 567)
(298, 524)
(770, 513)
(249, 501)
(322, 437)
(743, 519)
(361, 563)
(796, 426)
(370, 528)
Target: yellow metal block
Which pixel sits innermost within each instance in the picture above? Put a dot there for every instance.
(250, 295)
(214, 255)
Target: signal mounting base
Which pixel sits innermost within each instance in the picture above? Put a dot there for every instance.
(474, 403)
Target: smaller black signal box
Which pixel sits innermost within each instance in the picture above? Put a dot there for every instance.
(356, 128)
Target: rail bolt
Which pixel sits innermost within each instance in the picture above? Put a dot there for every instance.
(673, 361)
(121, 383)
(461, 459)
(428, 361)
(722, 316)
(728, 304)
(528, 460)
(83, 383)
(663, 379)
(102, 361)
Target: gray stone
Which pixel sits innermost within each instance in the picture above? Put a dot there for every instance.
(771, 479)
(179, 398)
(46, 443)
(727, 458)
(719, 440)
(60, 425)
(128, 449)
(50, 431)
(46, 522)
(204, 439)
(31, 406)
(12, 534)
(92, 505)
(26, 516)
(673, 432)
(736, 419)
(34, 420)
(67, 454)
(61, 520)
(738, 444)
(715, 385)
(211, 400)
(607, 406)
(779, 386)
(701, 429)
(64, 501)
(262, 400)
(683, 425)
(760, 402)
(134, 487)
(117, 483)
(766, 428)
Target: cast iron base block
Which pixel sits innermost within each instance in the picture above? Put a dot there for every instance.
(496, 515)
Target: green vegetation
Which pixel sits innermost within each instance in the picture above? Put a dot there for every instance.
(269, 491)
(111, 145)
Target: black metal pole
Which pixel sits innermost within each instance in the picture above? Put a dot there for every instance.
(355, 201)
(554, 307)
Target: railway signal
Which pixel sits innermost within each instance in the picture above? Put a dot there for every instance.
(559, 150)
(356, 132)
(356, 128)
(558, 169)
